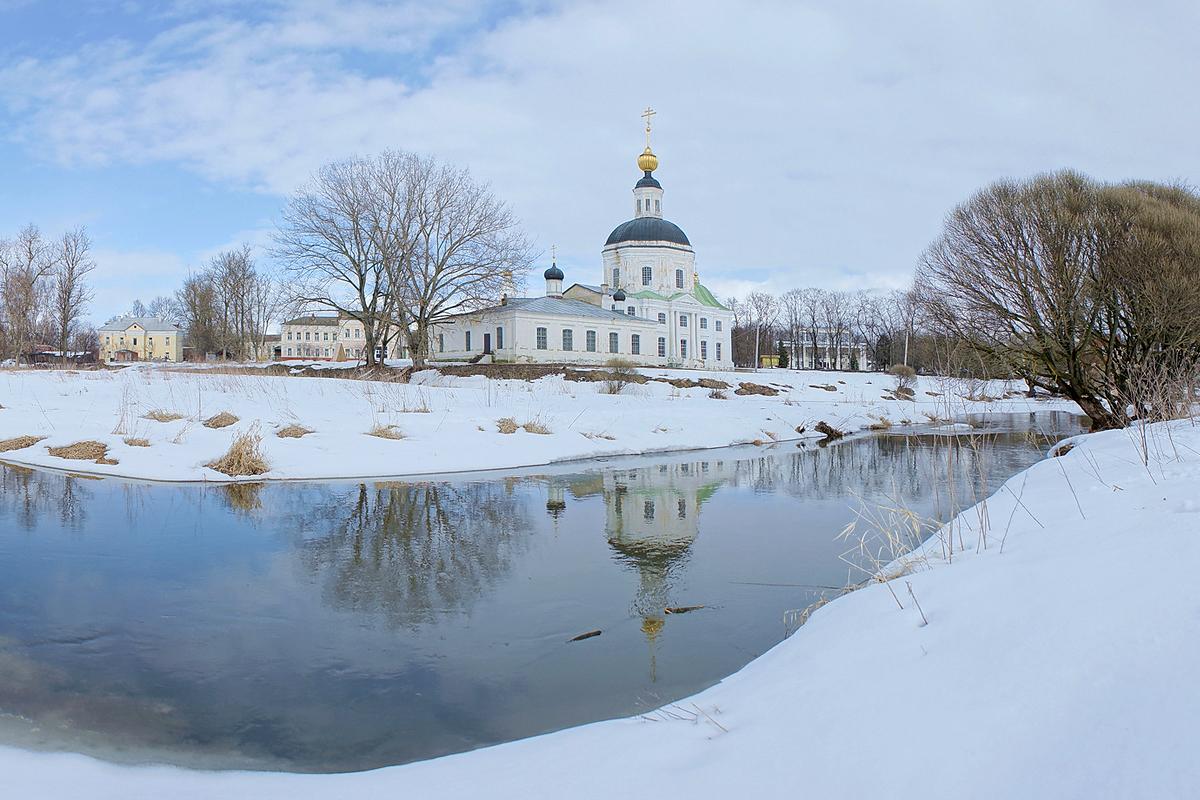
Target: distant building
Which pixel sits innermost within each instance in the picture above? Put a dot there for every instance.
(828, 352)
(331, 338)
(140, 339)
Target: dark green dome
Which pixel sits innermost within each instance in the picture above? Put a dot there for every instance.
(648, 229)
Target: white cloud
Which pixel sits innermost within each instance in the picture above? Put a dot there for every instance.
(809, 143)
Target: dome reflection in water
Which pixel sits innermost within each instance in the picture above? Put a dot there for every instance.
(344, 626)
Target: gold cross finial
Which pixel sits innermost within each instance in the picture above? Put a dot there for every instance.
(647, 114)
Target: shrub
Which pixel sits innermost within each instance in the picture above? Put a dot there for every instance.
(906, 378)
(386, 432)
(718, 394)
(535, 426)
(621, 372)
(507, 425)
(244, 456)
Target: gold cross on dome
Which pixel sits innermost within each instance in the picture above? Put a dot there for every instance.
(647, 114)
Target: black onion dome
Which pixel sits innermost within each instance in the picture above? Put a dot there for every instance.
(648, 229)
(553, 274)
(619, 295)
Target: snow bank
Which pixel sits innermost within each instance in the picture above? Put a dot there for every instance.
(449, 424)
(1058, 661)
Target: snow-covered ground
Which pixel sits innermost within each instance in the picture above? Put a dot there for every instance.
(1058, 660)
(448, 424)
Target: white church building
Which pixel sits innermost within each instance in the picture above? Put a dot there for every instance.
(649, 307)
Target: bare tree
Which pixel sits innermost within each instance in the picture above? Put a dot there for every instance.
(70, 292)
(454, 246)
(763, 312)
(1074, 285)
(332, 247)
(26, 263)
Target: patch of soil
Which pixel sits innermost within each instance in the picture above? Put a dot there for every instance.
(746, 388)
(222, 420)
(83, 451)
(19, 443)
(829, 431)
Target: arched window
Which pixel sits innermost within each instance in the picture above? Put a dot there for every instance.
(657, 207)
(662, 318)
(639, 206)
(678, 279)
(647, 275)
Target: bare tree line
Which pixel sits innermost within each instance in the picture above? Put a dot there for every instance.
(225, 309)
(832, 324)
(44, 293)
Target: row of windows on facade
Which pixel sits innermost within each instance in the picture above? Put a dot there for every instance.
(149, 340)
(648, 508)
(568, 343)
(647, 277)
(662, 318)
(355, 333)
(317, 352)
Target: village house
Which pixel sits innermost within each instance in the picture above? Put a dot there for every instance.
(140, 339)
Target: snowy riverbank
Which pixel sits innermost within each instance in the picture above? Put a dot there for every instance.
(1057, 661)
(447, 424)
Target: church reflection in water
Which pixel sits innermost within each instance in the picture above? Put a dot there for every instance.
(651, 519)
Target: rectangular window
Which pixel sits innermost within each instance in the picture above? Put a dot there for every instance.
(135, 342)
(678, 279)
(683, 348)
(289, 336)
(289, 351)
(468, 347)
(307, 335)
(683, 320)
(568, 339)
(335, 335)
(635, 344)
(616, 277)
(614, 343)
(718, 325)
(703, 351)
(499, 337)
(718, 351)
(631, 311)
(703, 323)
(327, 336)
(441, 342)
(591, 341)
(662, 319)
(647, 276)
(662, 347)
(541, 338)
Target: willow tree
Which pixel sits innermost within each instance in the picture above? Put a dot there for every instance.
(1077, 286)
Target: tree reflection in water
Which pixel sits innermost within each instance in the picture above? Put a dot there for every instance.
(28, 495)
(412, 551)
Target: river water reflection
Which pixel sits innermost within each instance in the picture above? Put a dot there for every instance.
(343, 626)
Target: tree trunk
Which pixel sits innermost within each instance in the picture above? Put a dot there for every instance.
(1101, 418)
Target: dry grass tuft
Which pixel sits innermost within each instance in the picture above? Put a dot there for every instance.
(244, 457)
(161, 415)
(386, 432)
(82, 451)
(535, 426)
(882, 424)
(222, 420)
(292, 431)
(718, 394)
(19, 443)
(507, 425)
(137, 441)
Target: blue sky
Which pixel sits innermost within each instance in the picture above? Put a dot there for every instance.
(800, 143)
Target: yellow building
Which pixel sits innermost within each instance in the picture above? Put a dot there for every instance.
(141, 339)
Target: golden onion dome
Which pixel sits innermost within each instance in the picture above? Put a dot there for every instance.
(647, 161)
